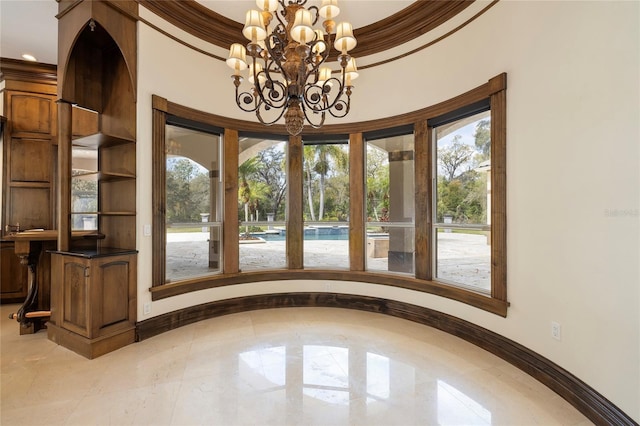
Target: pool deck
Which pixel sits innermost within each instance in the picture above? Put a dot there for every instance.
(461, 257)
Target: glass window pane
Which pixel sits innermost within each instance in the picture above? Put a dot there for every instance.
(462, 218)
(262, 202)
(326, 205)
(193, 200)
(390, 243)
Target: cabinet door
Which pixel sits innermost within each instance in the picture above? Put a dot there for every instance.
(76, 312)
(32, 113)
(31, 160)
(13, 275)
(30, 207)
(113, 293)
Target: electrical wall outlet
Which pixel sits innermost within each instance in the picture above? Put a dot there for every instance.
(146, 308)
(556, 330)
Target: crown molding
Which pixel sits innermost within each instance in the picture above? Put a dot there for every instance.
(26, 71)
(412, 22)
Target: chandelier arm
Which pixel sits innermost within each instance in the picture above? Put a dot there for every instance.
(341, 114)
(247, 98)
(341, 104)
(269, 123)
(315, 66)
(277, 62)
(317, 13)
(306, 116)
(270, 100)
(274, 99)
(275, 53)
(282, 12)
(325, 95)
(313, 99)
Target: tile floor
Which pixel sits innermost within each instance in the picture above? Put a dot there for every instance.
(306, 366)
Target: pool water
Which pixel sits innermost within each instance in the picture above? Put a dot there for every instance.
(307, 236)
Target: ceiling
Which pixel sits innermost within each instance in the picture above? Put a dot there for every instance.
(30, 26)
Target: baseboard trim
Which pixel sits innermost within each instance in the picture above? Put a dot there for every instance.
(91, 348)
(584, 398)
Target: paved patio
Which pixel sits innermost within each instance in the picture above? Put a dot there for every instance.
(462, 258)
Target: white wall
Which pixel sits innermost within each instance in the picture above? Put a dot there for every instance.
(573, 182)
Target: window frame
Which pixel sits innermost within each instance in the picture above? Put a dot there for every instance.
(181, 123)
(315, 140)
(433, 124)
(493, 92)
(241, 223)
(385, 134)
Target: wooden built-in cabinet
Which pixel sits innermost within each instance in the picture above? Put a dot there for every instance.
(94, 268)
(28, 151)
(95, 300)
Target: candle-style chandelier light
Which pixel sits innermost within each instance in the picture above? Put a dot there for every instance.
(285, 66)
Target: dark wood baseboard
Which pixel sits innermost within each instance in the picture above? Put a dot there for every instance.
(584, 398)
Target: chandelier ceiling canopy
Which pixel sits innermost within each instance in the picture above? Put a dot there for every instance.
(285, 60)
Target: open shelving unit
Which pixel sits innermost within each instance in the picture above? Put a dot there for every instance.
(109, 162)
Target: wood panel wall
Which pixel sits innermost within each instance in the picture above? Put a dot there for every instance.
(29, 144)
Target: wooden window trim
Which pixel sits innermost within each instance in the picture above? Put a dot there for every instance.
(494, 90)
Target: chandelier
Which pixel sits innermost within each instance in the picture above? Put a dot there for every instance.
(285, 67)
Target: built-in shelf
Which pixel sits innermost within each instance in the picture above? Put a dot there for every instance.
(101, 140)
(104, 176)
(84, 173)
(109, 176)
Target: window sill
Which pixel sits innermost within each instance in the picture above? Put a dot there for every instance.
(477, 300)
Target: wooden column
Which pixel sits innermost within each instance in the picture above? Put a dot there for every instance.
(230, 240)
(356, 203)
(499, 195)
(64, 173)
(159, 197)
(423, 158)
(295, 227)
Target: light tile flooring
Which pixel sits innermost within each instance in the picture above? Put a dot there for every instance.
(274, 367)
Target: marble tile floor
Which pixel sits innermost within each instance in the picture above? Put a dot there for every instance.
(302, 366)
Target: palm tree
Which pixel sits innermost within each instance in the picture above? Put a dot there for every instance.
(320, 158)
(309, 159)
(244, 191)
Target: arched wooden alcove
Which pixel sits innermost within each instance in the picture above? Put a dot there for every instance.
(93, 295)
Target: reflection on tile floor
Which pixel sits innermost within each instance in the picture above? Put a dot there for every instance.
(301, 366)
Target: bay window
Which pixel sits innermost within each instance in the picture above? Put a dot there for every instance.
(416, 201)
